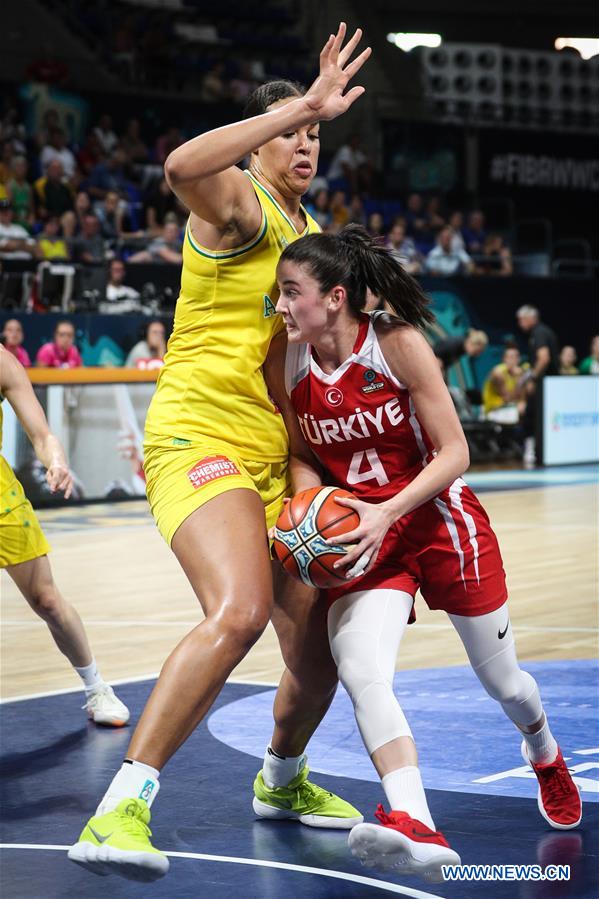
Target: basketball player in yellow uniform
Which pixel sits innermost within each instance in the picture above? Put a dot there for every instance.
(24, 549)
(216, 452)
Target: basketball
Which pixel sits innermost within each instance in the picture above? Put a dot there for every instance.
(311, 518)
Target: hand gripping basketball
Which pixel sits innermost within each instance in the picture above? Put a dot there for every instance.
(303, 531)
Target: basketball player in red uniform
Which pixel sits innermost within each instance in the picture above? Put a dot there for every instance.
(373, 407)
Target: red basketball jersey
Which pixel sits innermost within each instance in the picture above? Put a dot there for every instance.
(359, 420)
(361, 424)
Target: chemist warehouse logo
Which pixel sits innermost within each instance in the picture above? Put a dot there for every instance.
(563, 420)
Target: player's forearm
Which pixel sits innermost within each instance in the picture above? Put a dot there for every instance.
(303, 474)
(48, 450)
(217, 150)
(450, 463)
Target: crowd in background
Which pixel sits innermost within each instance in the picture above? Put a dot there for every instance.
(107, 198)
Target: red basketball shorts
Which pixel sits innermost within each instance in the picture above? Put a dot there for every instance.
(447, 549)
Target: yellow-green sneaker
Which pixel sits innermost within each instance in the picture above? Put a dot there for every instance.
(305, 802)
(119, 843)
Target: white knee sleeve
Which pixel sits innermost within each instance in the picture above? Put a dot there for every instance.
(365, 630)
(493, 659)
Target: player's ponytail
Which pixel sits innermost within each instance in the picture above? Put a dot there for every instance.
(352, 259)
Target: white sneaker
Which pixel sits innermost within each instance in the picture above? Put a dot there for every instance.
(403, 844)
(104, 707)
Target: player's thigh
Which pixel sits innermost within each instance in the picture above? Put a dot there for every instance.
(300, 620)
(33, 578)
(222, 547)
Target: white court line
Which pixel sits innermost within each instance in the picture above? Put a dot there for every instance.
(118, 623)
(260, 863)
(121, 682)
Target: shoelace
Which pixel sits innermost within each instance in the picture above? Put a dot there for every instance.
(556, 777)
(134, 825)
(308, 791)
(104, 690)
(384, 818)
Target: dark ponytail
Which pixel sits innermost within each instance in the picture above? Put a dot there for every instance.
(355, 261)
(265, 95)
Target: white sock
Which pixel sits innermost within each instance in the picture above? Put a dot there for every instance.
(134, 779)
(279, 770)
(90, 675)
(541, 747)
(405, 793)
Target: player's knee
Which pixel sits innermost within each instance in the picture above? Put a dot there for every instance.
(508, 690)
(357, 676)
(47, 603)
(243, 625)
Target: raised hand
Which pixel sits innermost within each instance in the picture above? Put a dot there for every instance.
(325, 98)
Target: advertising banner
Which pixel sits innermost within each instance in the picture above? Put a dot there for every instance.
(570, 419)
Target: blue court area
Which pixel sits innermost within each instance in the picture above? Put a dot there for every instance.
(55, 767)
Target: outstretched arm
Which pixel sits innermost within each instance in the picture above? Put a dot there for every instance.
(203, 173)
(17, 389)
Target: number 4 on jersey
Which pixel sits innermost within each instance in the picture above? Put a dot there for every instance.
(366, 466)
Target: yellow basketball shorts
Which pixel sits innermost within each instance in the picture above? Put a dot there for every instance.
(182, 475)
(21, 537)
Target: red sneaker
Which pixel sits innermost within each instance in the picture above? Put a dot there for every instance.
(404, 843)
(558, 797)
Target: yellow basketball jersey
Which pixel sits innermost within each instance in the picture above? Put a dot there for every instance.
(211, 384)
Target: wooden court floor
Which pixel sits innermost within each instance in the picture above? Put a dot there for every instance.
(136, 603)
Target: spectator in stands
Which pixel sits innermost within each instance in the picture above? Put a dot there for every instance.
(15, 241)
(376, 227)
(351, 165)
(160, 201)
(214, 88)
(56, 148)
(244, 83)
(105, 135)
(90, 155)
(50, 243)
(357, 216)
(20, 193)
(567, 361)
(53, 194)
(496, 258)
(90, 247)
(434, 218)
(132, 143)
(443, 262)
(319, 209)
(110, 215)
(61, 352)
(543, 354)
(590, 365)
(415, 217)
(456, 221)
(339, 211)
(168, 142)
(505, 387)
(451, 349)
(403, 248)
(72, 221)
(119, 297)
(149, 352)
(166, 248)
(13, 337)
(475, 233)
(108, 175)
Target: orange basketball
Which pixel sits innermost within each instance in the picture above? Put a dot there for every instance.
(311, 518)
